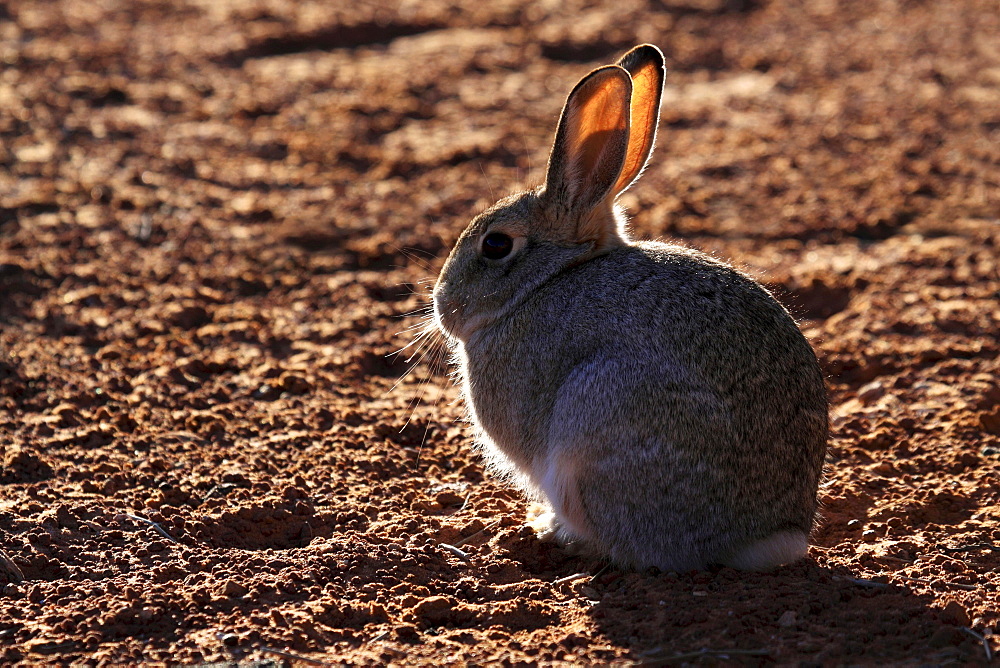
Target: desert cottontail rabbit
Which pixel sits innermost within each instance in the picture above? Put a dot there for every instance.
(662, 403)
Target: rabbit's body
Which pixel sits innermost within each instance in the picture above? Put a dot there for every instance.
(646, 427)
(664, 404)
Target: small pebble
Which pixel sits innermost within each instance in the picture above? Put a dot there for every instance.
(871, 392)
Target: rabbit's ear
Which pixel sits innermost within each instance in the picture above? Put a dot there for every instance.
(591, 144)
(645, 64)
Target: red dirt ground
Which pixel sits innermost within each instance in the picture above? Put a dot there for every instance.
(213, 216)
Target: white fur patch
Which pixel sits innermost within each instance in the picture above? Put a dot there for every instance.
(777, 549)
(561, 488)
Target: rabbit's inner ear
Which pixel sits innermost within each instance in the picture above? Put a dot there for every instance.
(645, 65)
(591, 142)
(592, 149)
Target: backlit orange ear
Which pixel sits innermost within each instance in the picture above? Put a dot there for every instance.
(591, 141)
(645, 65)
(598, 123)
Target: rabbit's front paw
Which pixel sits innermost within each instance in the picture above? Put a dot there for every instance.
(547, 527)
(542, 520)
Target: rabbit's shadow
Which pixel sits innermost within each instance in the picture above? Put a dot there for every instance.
(800, 611)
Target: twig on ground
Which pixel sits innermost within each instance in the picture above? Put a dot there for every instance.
(50, 646)
(181, 435)
(481, 531)
(985, 640)
(93, 526)
(896, 559)
(871, 584)
(956, 585)
(461, 554)
(464, 503)
(290, 655)
(221, 488)
(570, 578)
(10, 566)
(379, 636)
(969, 548)
(650, 658)
(160, 530)
(599, 573)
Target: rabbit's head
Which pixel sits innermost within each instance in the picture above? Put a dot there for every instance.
(603, 141)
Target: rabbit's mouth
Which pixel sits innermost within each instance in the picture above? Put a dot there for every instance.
(469, 328)
(454, 324)
(446, 316)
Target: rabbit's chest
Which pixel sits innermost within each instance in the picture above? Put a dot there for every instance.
(509, 399)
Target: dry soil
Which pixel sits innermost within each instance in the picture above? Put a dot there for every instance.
(215, 216)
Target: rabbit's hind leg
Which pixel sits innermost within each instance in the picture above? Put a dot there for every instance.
(560, 485)
(779, 548)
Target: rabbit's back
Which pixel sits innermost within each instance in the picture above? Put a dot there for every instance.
(682, 395)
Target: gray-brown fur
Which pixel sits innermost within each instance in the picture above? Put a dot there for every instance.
(662, 402)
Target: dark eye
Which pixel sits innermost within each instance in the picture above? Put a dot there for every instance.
(497, 246)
